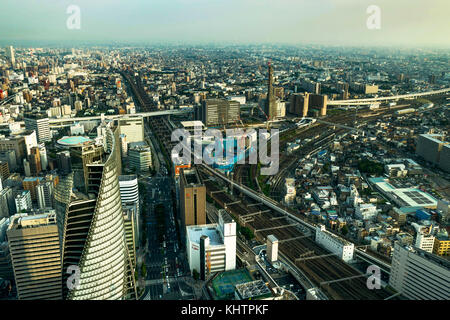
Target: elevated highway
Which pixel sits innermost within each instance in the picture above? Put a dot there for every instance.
(382, 99)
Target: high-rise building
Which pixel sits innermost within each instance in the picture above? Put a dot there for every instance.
(30, 184)
(36, 257)
(129, 194)
(23, 201)
(424, 241)
(6, 269)
(4, 170)
(433, 148)
(7, 203)
(299, 103)
(9, 156)
(35, 161)
(10, 55)
(94, 236)
(64, 162)
(16, 144)
(43, 155)
(132, 128)
(212, 247)
(44, 192)
(40, 124)
(140, 158)
(272, 248)
(270, 107)
(319, 102)
(218, 112)
(419, 275)
(192, 198)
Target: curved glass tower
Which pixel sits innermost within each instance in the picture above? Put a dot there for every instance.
(94, 234)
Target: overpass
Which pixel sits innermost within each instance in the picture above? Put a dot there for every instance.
(64, 122)
(381, 99)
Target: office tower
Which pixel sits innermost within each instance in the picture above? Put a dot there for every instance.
(30, 184)
(124, 145)
(16, 144)
(319, 102)
(43, 155)
(26, 168)
(10, 55)
(6, 269)
(30, 140)
(140, 158)
(7, 203)
(270, 104)
(211, 248)
(132, 128)
(129, 214)
(310, 86)
(92, 223)
(23, 201)
(36, 257)
(218, 112)
(272, 248)
(129, 194)
(433, 148)
(35, 161)
(299, 104)
(78, 105)
(9, 156)
(40, 124)
(4, 170)
(193, 198)
(418, 275)
(44, 192)
(424, 241)
(64, 162)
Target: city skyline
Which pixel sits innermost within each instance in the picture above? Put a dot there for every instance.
(325, 22)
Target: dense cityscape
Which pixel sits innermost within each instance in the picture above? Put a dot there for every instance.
(101, 197)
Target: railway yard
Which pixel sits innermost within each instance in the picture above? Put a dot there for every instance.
(338, 279)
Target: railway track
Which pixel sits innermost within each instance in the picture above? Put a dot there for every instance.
(295, 245)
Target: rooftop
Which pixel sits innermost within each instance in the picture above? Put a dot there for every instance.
(73, 141)
(209, 230)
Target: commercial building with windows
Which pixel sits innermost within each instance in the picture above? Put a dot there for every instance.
(23, 201)
(433, 148)
(140, 158)
(419, 275)
(218, 112)
(132, 128)
(40, 124)
(212, 248)
(192, 198)
(129, 194)
(36, 257)
(94, 236)
(341, 247)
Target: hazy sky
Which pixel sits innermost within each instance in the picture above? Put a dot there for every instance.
(403, 22)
